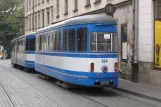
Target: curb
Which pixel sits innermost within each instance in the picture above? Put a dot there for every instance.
(136, 94)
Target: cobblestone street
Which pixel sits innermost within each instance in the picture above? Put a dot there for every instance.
(21, 89)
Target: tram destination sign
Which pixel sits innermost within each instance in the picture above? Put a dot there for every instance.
(110, 9)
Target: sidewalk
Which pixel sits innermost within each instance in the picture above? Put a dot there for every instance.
(138, 89)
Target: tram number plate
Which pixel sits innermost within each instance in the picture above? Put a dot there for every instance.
(104, 61)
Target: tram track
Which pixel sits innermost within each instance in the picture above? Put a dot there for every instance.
(76, 92)
(8, 96)
(48, 96)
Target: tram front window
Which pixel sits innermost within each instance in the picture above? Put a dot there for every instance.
(103, 42)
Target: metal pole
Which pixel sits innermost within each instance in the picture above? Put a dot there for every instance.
(134, 59)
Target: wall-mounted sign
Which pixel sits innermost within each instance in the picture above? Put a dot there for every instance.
(110, 9)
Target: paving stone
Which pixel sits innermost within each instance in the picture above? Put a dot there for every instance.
(21, 93)
(4, 100)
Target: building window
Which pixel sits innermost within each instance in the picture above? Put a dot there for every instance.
(88, 3)
(157, 5)
(29, 23)
(75, 5)
(71, 40)
(97, 1)
(32, 22)
(48, 17)
(43, 21)
(39, 20)
(52, 14)
(57, 12)
(81, 39)
(35, 3)
(27, 5)
(66, 7)
(124, 45)
(38, 2)
(42, 1)
(35, 21)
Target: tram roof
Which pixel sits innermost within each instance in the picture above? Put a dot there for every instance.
(29, 34)
(86, 19)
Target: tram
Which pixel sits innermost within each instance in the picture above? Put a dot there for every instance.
(81, 51)
(23, 51)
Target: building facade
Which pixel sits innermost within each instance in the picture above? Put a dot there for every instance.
(149, 43)
(42, 13)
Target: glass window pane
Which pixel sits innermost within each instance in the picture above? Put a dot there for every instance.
(58, 34)
(71, 40)
(82, 39)
(65, 34)
(93, 42)
(103, 42)
(32, 44)
(54, 40)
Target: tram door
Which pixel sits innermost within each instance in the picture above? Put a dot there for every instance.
(158, 44)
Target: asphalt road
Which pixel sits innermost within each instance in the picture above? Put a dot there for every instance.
(24, 89)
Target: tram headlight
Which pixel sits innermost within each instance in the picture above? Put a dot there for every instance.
(105, 69)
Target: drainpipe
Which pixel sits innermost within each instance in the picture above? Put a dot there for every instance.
(134, 61)
(33, 15)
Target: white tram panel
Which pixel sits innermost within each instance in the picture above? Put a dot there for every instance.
(75, 64)
(30, 57)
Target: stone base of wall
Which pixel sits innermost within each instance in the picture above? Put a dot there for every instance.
(149, 76)
(125, 71)
(144, 72)
(155, 78)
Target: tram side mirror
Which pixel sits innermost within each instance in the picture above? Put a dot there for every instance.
(110, 9)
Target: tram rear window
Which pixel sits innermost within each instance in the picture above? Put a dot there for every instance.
(103, 42)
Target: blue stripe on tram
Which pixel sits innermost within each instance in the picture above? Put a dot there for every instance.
(77, 77)
(80, 55)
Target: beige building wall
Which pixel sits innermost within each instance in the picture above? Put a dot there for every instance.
(46, 12)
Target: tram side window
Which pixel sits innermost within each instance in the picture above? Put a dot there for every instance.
(55, 41)
(58, 40)
(71, 40)
(40, 43)
(32, 44)
(82, 39)
(65, 36)
(37, 43)
(27, 45)
(43, 38)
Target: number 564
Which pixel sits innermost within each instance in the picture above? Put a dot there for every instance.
(104, 60)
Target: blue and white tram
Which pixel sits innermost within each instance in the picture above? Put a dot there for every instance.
(80, 51)
(23, 51)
